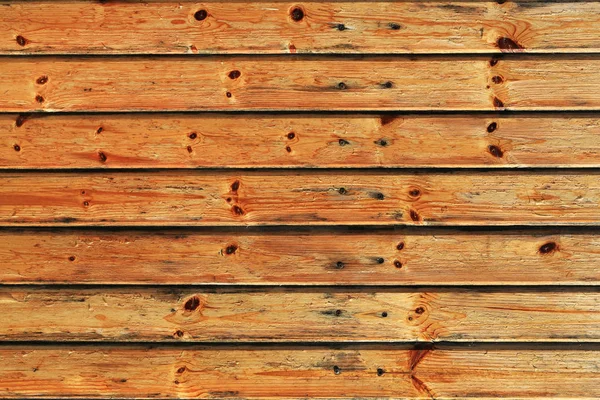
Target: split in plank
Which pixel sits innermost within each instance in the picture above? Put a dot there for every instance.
(153, 314)
(308, 197)
(479, 372)
(301, 257)
(311, 141)
(279, 27)
(299, 83)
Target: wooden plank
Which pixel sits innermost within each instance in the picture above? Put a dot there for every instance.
(299, 372)
(204, 198)
(299, 140)
(315, 257)
(169, 27)
(299, 314)
(299, 83)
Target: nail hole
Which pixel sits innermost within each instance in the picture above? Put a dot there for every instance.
(193, 135)
(336, 370)
(380, 371)
(338, 312)
(381, 142)
(493, 62)
(384, 314)
(17, 147)
(99, 130)
(341, 27)
(380, 260)
(397, 264)
(39, 99)
(378, 196)
(234, 74)
(342, 191)
(414, 215)
(291, 135)
(288, 149)
(497, 79)
(200, 15)
(343, 142)
(181, 370)
(498, 103)
(42, 80)
(190, 149)
(72, 258)
(342, 86)
(86, 203)
(179, 333)
(492, 127)
(21, 40)
(548, 248)
(102, 156)
(235, 186)
(297, 14)
(420, 310)
(388, 85)
(400, 246)
(339, 265)
(231, 249)
(228, 94)
(394, 26)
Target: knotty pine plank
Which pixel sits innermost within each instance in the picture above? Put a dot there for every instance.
(299, 83)
(363, 371)
(275, 197)
(276, 27)
(301, 257)
(150, 314)
(297, 140)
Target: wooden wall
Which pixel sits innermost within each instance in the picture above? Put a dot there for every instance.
(272, 199)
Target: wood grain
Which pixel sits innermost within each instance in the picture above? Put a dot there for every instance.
(302, 314)
(298, 372)
(269, 27)
(301, 257)
(207, 198)
(299, 83)
(298, 140)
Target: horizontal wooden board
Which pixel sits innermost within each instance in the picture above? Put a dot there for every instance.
(299, 83)
(301, 257)
(334, 197)
(306, 314)
(298, 372)
(298, 140)
(258, 27)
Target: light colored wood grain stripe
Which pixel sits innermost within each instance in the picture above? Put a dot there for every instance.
(303, 314)
(203, 198)
(299, 83)
(303, 257)
(298, 372)
(275, 27)
(299, 140)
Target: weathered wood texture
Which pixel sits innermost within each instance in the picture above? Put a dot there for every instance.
(205, 198)
(302, 257)
(312, 141)
(299, 83)
(289, 315)
(297, 372)
(170, 27)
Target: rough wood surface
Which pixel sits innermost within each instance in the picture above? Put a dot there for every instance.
(299, 83)
(204, 198)
(299, 140)
(299, 314)
(299, 372)
(301, 257)
(170, 27)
